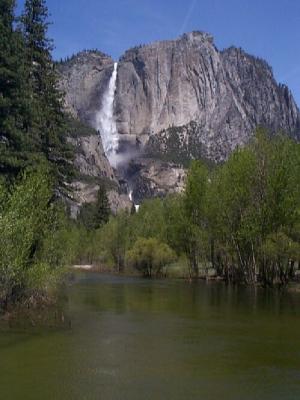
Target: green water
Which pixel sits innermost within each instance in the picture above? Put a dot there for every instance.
(128, 338)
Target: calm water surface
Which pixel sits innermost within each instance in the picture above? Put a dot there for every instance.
(128, 338)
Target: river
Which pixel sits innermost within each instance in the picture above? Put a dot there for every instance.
(130, 338)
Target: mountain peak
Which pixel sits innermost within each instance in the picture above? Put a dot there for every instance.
(195, 36)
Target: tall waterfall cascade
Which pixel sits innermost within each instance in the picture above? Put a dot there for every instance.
(105, 122)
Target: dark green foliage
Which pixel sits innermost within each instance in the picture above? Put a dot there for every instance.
(48, 122)
(102, 207)
(76, 128)
(32, 124)
(170, 145)
(94, 215)
(15, 142)
(87, 215)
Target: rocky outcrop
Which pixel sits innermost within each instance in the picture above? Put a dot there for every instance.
(150, 178)
(93, 169)
(221, 97)
(90, 159)
(86, 192)
(119, 201)
(84, 79)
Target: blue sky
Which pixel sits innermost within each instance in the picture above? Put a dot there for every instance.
(266, 28)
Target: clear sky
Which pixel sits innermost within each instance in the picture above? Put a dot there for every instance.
(266, 28)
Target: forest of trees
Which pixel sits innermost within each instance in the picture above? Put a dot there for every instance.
(241, 219)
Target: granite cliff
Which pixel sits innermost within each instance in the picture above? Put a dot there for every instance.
(178, 100)
(92, 170)
(216, 98)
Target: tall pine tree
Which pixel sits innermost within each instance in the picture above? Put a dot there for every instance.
(49, 126)
(15, 148)
(95, 215)
(102, 207)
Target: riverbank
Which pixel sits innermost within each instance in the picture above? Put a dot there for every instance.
(37, 307)
(176, 271)
(47, 313)
(103, 269)
(45, 309)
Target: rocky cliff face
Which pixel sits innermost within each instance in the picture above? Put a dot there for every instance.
(83, 79)
(178, 100)
(216, 98)
(93, 169)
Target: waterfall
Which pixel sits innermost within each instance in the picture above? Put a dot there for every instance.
(136, 206)
(105, 122)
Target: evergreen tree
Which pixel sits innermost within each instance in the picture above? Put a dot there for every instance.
(14, 113)
(38, 46)
(94, 215)
(49, 123)
(102, 207)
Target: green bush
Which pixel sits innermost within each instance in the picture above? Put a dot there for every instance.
(150, 256)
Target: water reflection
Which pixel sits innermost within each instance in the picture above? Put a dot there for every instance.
(138, 339)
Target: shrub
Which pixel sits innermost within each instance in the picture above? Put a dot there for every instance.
(150, 256)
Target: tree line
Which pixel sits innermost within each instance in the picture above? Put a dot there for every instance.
(241, 218)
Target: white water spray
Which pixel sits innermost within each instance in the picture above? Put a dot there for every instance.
(105, 122)
(130, 195)
(137, 207)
